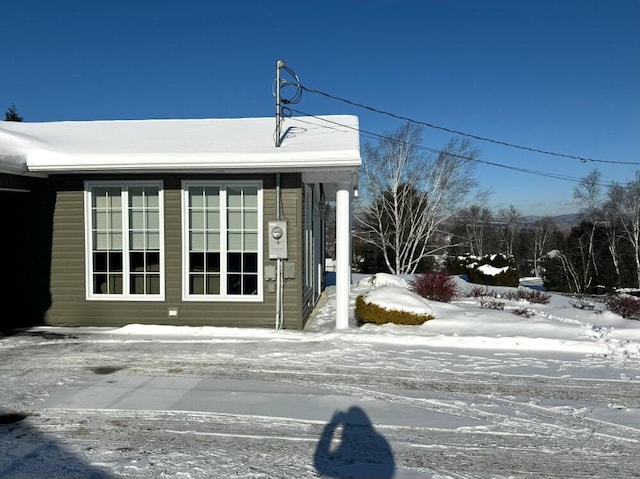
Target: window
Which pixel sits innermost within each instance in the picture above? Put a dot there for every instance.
(124, 241)
(222, 241)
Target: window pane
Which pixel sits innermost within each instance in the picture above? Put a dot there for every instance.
(250, 285)
(115, 198)
(100, 262)
(116, 240)
(196, 262)
(251, 197)
(136, 240)
(115, 284)
(136, 198)
(153, 261)
(136, 220)
(136, 261)
(153, 220)
(115, 261)
(116, 220)
(213, 220)
(213, 262)
(234, 197)
(196, 198)
(213, 241)
(100, 220)
(153, 284)
(196, 217)
(251, 241)
(234, 220)
(234, 284)
(234, 263)
(213, 284)
(100, 241)
(100, 283)
(153, 198)
(136, 283)
(235, 241)
(153, 241)
(213, 196)
(196, 284)
(251, 220)
(250, 263)
(197, 242)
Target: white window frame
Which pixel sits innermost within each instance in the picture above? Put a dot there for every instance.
(223, 296)
(126, 270)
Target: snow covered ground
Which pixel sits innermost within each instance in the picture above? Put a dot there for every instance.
(474, 393)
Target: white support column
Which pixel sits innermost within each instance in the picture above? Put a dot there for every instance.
(343, 254)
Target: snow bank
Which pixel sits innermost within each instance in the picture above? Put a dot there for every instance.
(399, 299)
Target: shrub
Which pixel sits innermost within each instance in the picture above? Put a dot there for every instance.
(524, 312)
(372, 313)
(478, 291)
(581, 303)
(626, 306)
(435, 286)
(469, 265)
(491, 304)
(534, 296)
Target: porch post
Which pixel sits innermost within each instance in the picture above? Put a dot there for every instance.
(343, 254)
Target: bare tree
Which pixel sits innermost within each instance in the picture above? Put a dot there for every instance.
(626, 202)
(588, 191)
(410, 194)
(509, 220)
(476, 220)
(538, 241)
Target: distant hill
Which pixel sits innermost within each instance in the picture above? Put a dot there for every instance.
(560, 220)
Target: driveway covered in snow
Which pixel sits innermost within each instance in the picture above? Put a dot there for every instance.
(371, 402)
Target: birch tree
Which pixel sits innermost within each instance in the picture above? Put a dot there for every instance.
(625, 199)
(410, 194)
(509, 221)
(588, 192)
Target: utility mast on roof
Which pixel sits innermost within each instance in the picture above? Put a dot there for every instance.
(279, 86)
(279, 65)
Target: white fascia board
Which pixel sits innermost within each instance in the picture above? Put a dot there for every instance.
(298, 162)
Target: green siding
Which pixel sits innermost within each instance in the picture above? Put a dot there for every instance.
(70, 307)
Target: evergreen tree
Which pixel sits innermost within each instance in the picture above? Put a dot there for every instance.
(11, 114)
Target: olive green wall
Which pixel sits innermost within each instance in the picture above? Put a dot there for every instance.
(71, 308)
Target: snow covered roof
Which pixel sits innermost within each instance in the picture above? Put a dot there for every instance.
(220, 145)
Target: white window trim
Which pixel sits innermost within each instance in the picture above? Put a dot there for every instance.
(222, 297)
(88, 243)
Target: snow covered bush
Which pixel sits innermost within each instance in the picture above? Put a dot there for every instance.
(626, 306)
(524, 312)
(534, 296)
(435, 286)
(492, 270)
(372, 313)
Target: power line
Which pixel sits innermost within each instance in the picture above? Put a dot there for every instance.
(461, 133)
(378, 136)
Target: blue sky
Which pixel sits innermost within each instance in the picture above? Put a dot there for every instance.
(559, 75)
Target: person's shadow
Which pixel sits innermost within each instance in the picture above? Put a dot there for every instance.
(350, 447)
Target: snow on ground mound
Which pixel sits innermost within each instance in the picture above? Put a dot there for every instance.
(379, 280)
(399, 299)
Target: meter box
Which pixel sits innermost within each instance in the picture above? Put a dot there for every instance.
(278, 240)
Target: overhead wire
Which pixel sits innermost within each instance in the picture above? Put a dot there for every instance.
(378, 136)
(458, 132)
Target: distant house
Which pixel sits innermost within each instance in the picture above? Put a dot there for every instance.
(182, 222)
